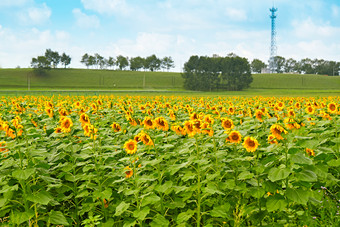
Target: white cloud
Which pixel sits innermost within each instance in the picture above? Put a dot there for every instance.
(35, 15)
(309, 30)
(85, 21)
(106, 6)
(18, 47)
(11, 3)
(236, 14)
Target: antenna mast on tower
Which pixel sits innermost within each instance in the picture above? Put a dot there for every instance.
(273, 47)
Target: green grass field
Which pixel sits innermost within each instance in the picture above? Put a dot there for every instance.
(89, 81)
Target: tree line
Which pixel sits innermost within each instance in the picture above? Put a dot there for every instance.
(51, 59)
(202, 73)
(305, 66)
(151, 63)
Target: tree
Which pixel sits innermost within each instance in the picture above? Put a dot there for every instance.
(98, 60)
(206, 73)
(85, 60)
(167, 63)
(65, 60)
(53, 57)
(257, 65)
(41, 62)
(136, 63)
(290, 65)
(152, 63)
(236, 73)
(92, 60)
(122, 62)
(111, 62)
(279, 63)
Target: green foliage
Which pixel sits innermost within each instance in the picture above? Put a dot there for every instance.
(207, 74)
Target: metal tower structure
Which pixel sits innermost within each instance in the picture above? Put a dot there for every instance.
(273, 47)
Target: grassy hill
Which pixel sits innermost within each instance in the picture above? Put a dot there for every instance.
(89, 79)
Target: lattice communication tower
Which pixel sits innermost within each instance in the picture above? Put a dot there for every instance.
(273, 47)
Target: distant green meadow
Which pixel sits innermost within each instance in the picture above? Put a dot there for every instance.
(92, 82)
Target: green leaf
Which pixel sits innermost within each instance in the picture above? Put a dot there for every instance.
(300, 158)
(257, 192)
(141, 214)
(158, 221)
(42, 197)
(212, 189)
(21, 174)
(151, 199)
(165, 188)
(20, 217)
(276, 174)
(184, 216)
(299, 196)
(274, 203)
(220, 211)
(121, 208)
(245, 175)
(57, 218)
(334, 162)
(306, 175)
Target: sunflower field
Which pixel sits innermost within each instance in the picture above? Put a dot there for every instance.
(169, 161)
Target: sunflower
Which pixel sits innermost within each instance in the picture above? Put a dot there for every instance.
(66, 124)
(271, 139)
(62, 111)
(297, 105)
(209, 119)
(146, 139)
(310, 152)
(128, 172)
(189, 128)
(84, 119)
(258, 115)
(332, 107)
(57, 130)
(148, 123)
(49, 112)
(277, 130)
(234, 137)
(3, 146)
(130, 146)
(162, 124)
(310, 110)
(250, 144)
(194, 116)
(178, 130)
(227, 123)
(116, 127)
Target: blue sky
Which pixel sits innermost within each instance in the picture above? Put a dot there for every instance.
(176, 28)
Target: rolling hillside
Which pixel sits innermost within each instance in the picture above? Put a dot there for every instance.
(82, 79)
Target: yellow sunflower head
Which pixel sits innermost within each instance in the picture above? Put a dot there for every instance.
(277, 131)
(234, 137)
(227, 123)
(128, 172)
(332, 107)
(162, 124)
(148, 123)
(130, 146)
(250, 144)
(66, 124)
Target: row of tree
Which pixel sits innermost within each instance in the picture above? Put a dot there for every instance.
(214, 73)
(51, 59)
(152, 63)
(305, 66)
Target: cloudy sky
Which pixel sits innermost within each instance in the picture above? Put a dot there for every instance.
(176, 28)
